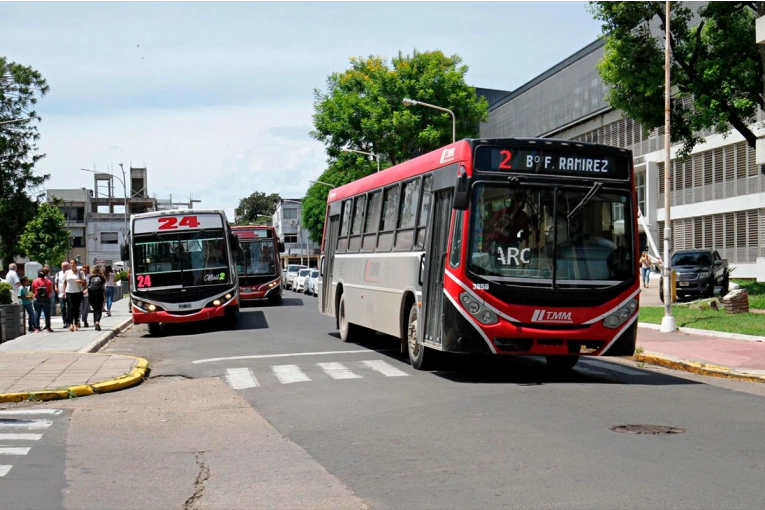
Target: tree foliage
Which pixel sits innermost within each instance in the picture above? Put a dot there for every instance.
(46, 239)
(20, 188)
(716, 69)
(362, 109)
(256, 209)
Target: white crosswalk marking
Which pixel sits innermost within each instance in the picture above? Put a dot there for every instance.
(241, 378)
(12, 450)
(53, 412)
(20, 437)
(338, 371)
(289, 374)
(27, 424)
(4, 470)
(387, 370)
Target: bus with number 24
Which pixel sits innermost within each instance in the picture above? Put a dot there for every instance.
(489, 246)
(182, 268)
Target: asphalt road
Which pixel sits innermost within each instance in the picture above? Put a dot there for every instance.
(281, 414)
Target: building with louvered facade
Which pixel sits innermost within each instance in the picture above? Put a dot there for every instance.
(717, 193)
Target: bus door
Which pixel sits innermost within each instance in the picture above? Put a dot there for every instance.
(329, 263)
(431, 314)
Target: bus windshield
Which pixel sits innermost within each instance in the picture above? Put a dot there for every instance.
(180, 258)
(542, 236)
(256, 257)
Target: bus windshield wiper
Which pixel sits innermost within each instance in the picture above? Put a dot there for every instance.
(587, 198)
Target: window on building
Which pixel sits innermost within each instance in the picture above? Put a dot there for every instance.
(290, 214)
(290, 238)
(109, 237)
(640, 189)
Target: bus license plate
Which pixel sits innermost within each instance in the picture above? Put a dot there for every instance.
(184, 305)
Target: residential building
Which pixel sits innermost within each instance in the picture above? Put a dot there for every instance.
(74, 204)
(298, 248)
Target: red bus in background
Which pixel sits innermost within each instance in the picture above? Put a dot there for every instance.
(491, 246)
(258, 264)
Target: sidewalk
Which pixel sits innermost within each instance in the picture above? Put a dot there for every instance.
(62, 364)
(699, 351)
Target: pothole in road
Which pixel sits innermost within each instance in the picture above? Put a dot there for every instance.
(167, 378)
(646, 429)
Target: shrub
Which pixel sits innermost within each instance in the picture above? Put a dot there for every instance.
(5, 293)
(120, 276)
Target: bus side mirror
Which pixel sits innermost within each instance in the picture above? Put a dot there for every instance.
(124, 252)
(461, 198)
(281, 247)
(234, 242)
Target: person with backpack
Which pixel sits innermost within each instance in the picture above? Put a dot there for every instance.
(96, 295)
(25, 299)
(85, 305)
(42, 289)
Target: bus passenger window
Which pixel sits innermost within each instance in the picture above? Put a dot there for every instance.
(354, 243)
(342, 241)
(369, 241)
(407, 215)
(422, 220)
(456, 248)
(389, 214)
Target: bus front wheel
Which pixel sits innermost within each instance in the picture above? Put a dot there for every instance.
(153, 328)
(349, 332)
(417, 356)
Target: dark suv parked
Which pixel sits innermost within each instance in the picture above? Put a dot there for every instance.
(698, 273)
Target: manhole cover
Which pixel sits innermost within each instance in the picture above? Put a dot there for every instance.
(646, 429)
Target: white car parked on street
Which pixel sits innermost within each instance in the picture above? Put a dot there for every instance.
(311, 283)
(298, 283)
(290, 274)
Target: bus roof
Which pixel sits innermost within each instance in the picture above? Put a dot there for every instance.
(175, 212)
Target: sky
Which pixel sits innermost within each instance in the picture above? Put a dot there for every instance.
(216, 99)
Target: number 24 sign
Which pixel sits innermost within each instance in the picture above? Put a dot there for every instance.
(173, 222)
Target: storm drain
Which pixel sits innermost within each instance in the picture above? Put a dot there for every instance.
(646, 429)
(168, 378)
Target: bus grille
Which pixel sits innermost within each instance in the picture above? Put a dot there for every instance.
(184, 296)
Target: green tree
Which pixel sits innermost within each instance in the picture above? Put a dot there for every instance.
(256, 209)
(362, 109)
(46, 239)
(716, 68)
(20, 188)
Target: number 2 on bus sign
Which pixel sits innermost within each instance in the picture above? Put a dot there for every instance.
(171, 222)
(143, 280)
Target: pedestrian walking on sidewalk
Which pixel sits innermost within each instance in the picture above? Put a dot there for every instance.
(109, 275)
(26, 301)
(646, 262)
(74, 283)
(42, 289)
(53, 297)
(60, 294)
(96, 294)
(12, 277)
(85, 306)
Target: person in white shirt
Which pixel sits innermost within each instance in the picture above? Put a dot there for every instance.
(74, 284)
(60, 294)
(13, 278)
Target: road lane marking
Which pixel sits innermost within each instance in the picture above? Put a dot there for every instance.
(338, 371)
(241, 378)
(27, 424)
(31, 411)
(289, 374)
(266, 356)
(10, 450)
(4, 470)
(379, 365)
(20, 437)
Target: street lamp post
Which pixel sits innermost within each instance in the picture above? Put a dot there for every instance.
(377, 157)
(324, 183)
(668, 324)
(413, 102)
(124, 190)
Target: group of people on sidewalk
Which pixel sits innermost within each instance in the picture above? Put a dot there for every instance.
(78, 291)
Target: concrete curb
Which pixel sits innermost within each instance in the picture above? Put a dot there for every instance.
(706, 332)
(697, 367)
(135, 377)
(104, 338)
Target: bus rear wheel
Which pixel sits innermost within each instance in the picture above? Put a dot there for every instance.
(561, 363)
(153, 328)
(417, 356)
(349, 332)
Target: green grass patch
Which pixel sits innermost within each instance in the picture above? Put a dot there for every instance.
(694, 315)
(756, 291)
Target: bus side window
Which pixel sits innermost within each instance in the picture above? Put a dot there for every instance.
(389, 215)
(456, 248)
(354, 243)
(407, 215)
(369, 241)
(422, 219)
(345, 224)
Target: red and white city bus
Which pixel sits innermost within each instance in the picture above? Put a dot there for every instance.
(182, 267)
(258, 263)
(496, 246)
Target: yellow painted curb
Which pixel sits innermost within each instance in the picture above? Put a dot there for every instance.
(698, 368)
(135, 377)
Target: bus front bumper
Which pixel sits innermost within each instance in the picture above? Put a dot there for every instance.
(210, 312)
(260, 291)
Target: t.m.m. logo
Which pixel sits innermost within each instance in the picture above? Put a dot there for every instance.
(551, 316)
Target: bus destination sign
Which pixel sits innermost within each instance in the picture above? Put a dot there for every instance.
(552, 161)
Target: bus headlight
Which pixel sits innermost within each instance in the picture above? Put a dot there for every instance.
(478, 310)
(228, 296)
(619, 317)
(216, 302)
(152, 308)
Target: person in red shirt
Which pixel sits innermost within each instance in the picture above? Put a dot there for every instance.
(42, 290)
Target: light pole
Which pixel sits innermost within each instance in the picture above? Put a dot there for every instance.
(124, 189)
(668, 324)
(366, 154)
(16, 120)
(413, 102)
(324, 183)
